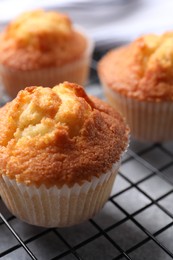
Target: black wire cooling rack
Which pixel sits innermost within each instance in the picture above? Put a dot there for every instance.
(135, 223)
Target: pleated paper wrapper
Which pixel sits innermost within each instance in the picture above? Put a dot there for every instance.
(57, 207)
(148, 120)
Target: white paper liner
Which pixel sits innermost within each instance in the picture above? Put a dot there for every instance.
(54, 207)
(148, 121)
(76, 72)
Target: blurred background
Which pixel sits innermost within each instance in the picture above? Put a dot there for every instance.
(107, 21)
(137, 221)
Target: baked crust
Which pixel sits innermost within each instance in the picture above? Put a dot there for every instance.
(142, 69)
(39, 39)
(59, 136)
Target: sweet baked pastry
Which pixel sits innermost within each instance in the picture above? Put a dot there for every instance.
(138, 81)
(59, 154)
(43, 48)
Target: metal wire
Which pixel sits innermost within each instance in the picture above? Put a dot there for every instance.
(73, 250)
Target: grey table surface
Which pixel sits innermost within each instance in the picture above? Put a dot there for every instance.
(135, 223)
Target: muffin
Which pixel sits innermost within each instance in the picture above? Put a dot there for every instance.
(43, 48)
(59, 154)
(138, 81)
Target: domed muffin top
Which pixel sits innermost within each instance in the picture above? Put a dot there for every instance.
(59, 136)
(142, 69)
(31, 28)
(38, 39)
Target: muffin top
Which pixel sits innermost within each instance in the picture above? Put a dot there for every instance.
(40, 39)
(142, 69)
(59, 135)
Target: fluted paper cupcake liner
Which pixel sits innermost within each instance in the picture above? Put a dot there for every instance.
(76, 71)
(57, 207)
(148, 120)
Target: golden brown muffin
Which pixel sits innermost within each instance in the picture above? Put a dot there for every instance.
(138, 80)
(39, 39)
(40, 42)
(56, 138)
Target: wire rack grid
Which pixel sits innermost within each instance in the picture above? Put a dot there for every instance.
(135, 223)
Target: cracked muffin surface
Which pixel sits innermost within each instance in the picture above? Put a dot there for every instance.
(59, 135)
(142, 69)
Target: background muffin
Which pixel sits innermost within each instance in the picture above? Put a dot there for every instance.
(43, 48)
(138, 81)
(59, 154)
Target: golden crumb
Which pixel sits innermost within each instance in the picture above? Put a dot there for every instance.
(39, 39)
(59, 136)
(142, 69)
(156, 51)
(32, 28)
(46, 110)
